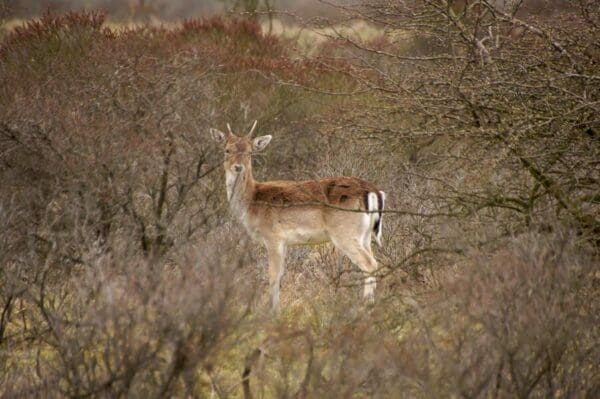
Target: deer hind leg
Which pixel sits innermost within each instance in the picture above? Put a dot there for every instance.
(276, 268)
(363, 258)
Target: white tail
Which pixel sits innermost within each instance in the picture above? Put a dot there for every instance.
(375, 207)
(346, 211)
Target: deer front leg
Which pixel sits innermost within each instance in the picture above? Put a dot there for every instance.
(276, 268)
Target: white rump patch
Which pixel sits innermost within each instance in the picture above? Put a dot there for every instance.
(369, 218)
(372, 204)
(373, 208)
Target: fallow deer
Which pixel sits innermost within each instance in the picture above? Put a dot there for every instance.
(343, 210)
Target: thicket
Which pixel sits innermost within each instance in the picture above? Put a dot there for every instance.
(122, 274)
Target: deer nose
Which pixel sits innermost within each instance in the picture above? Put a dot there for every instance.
(238, 168)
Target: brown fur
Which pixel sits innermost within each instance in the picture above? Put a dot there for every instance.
(336, 191)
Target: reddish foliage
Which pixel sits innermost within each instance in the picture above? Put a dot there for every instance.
(49, 25)
(232, 43)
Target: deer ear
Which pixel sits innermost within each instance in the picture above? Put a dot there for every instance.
(259, 143)
(217, 135)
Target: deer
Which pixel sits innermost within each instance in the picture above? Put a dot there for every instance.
(346, 211)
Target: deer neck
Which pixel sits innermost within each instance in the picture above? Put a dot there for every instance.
(240, 190)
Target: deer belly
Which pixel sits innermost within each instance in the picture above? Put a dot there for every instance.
(300, 235)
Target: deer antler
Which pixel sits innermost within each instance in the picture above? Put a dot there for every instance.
(229, 128)
(252, 129)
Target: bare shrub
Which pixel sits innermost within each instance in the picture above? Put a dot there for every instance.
(520, 325)
(123, 326)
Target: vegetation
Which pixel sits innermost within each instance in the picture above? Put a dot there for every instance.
(122, 273)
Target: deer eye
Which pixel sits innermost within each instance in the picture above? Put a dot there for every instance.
(227, 152)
